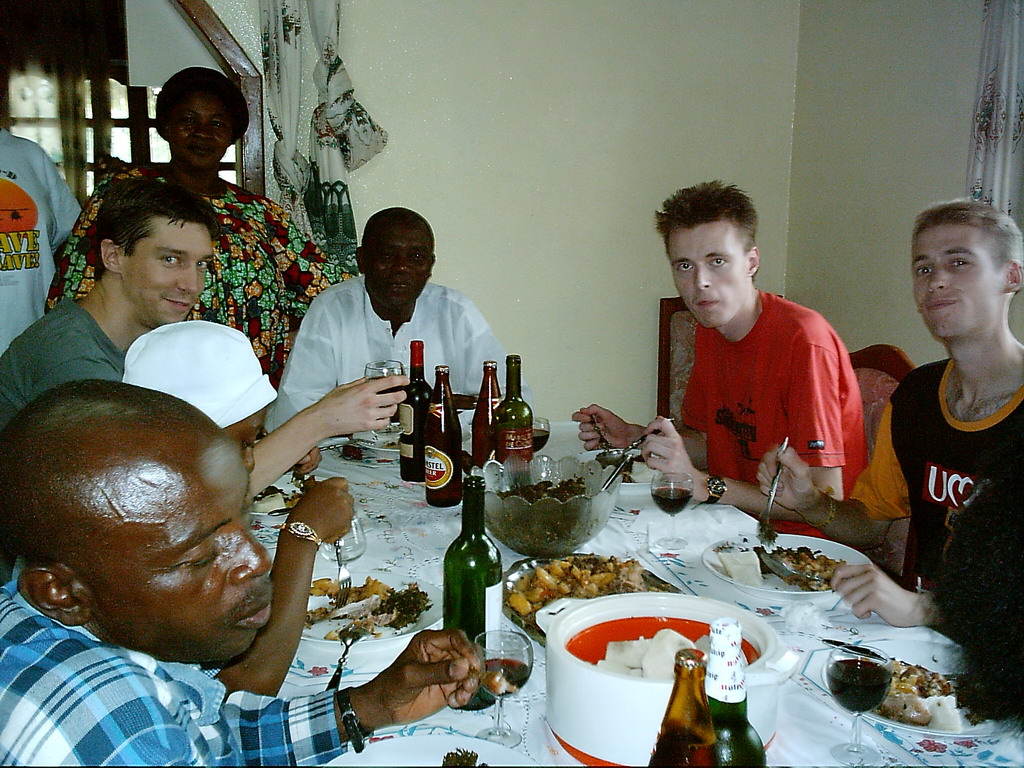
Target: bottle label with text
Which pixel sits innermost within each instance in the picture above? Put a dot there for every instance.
(406, 418)
(438, 467)
(518, 441)
(492, 607)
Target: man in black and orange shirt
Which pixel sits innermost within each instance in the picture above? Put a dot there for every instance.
(967, 267)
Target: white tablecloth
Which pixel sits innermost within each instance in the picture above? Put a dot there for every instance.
(407, 539)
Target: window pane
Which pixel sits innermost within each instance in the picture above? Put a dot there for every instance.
(151, 102)
(229, 176)
(47, 137)
(118, 101)
(229, 156)
(121, 143)
(32, 95)
(159, 150)
(90, 146)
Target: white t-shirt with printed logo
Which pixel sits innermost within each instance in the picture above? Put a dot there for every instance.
(37, 212)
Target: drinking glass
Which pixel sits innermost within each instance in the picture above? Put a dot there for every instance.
(859, 680)
(379, 369)
(541, 433)
(352, 545)
(671, 491)
(510, 653)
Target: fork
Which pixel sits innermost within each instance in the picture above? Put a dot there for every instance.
(765, 530)
(348, 637)
(344, 577)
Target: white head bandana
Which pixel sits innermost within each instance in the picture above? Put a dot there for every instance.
(205, 364)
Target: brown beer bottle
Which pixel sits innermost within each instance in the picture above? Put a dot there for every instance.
(483, 419)
(687, 736)
(514, 417)
(442, 469)
(412, 414)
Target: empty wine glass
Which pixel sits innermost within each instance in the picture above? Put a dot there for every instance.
(859, 680)
(511, 654)
(349, 547)
(671, 491)
(380, 369)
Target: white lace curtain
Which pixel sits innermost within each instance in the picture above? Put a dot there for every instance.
(342, 135)
(996, 173)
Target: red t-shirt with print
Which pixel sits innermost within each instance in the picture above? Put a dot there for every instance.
(789, 376)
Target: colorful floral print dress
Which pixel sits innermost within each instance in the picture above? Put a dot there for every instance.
(264, 273)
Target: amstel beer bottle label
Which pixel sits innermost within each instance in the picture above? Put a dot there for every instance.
(438, 467)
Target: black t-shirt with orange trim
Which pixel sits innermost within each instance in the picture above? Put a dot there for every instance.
(925, 460)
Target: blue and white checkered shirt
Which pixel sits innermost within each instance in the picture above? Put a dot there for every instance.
(67, 698)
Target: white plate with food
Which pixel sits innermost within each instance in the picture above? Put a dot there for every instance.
(385, 604)
(433, 749)
(917, 700)
(385, 441)
(734, 560)
(279, 498)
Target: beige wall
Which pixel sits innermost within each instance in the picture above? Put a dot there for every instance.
(538, 138)
(884, 95)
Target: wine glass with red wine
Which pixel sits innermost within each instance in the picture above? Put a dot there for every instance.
(859, 681)
(510, 654)
(671, 491)
(380, 369)
(541, 433)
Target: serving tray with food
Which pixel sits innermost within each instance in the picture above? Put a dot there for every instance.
(532, 583)
(381, 609)
(813, 560)
(922, 697)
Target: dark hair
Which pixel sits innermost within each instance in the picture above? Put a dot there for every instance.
(705, 203)
(979, 592)
(972, 213)
(393, 217)
(202, 80)
(127, 212)
(70, 450)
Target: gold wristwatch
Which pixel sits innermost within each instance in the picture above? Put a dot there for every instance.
(304, 531)
(716, 489)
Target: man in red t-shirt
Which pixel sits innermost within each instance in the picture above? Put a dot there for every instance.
(765, 369)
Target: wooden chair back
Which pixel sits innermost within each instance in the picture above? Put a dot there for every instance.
(879, 369)
(676, 333)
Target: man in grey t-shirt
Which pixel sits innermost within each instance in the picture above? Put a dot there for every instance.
(156, 240)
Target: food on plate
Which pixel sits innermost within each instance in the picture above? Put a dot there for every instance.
(919, 696)
(580, 576)
(742, 566)
(652, 658)
(272, 498)
(563, 491)
(813, 569)
(462, 757)
(637, 471)
(372, 606)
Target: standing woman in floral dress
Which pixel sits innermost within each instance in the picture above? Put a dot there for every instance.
(266, 272)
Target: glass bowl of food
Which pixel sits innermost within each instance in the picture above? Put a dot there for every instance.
(547, 507)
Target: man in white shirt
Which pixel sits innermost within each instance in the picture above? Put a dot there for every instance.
(376, 315)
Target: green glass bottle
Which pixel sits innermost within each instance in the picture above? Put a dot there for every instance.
(472, 575)
(736, 741)
(514, 418)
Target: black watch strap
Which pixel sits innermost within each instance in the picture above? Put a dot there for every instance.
(357, 734)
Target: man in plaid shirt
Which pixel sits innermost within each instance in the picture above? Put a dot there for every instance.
(126, 508)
